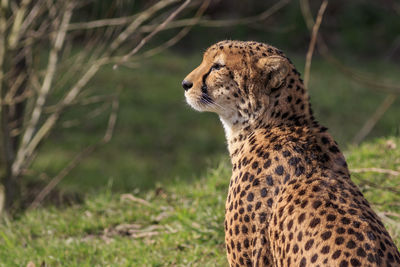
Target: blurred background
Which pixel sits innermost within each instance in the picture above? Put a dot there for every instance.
(128, 129)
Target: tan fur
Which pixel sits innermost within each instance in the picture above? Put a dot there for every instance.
(291, 201)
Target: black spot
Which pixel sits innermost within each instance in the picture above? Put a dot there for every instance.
(361, 252)
(290, 224)
(301, 217)
(309, 244)
(334, 149)
(336, 254)
(270, 202)
(371, 257)
(279, 170)
(314, 258)
(340, 230)
(249, 207)
(278, 147)
(345, 220)
(251, 178)
(270, 181)
(351, 244)
(359, 236)
(303, 262)
(371, 236)
(355, 262)
(316, 188)
(330, 217)
(263, 192)
(237, 230)
(295, 248)
(344, 263)
(256, 182)
(339, 240)
(294, 161)
(314, 222)
(325, 140)
(254, 165)
(299, 171)
(246, 243)
(250, 196)
(326, 235)
(267, 164)
(325, 250)
(263, 217)
(316, 204)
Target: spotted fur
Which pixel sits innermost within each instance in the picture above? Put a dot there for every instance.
(291, 201)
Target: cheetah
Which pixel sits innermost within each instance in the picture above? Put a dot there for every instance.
(291, 201)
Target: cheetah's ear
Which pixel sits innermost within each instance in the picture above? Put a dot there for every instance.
(277, 69)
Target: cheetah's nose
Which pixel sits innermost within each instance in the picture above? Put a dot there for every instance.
(186, 85)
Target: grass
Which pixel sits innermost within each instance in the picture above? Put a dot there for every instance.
(179, 223)
(152, 108)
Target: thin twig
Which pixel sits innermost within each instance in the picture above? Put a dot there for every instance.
(135, 199)
(189, 23)
(181, 33)
(373, 120)
(44, 90)
(306, 11)
(145, 15)
(313, 41)
(377, 170)
(363, 78)
(101, 23)
(392, 189)
(3, 29)
(79, 157)
(156, 30)
(324, 50)
(57, 179)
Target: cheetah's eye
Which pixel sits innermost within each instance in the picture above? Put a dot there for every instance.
(216, 66)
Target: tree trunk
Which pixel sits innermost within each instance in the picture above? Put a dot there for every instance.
(12, 117)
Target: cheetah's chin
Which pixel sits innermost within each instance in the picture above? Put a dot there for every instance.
(196, 105)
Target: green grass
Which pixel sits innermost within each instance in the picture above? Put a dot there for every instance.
(183, 220)
(158, 136)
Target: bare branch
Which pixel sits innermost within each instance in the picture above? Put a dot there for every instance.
(111, 121)
(305, 10)
(101, 23)
(44, 90)
(180, 34)
(3, 28)
(16, 28)
(135, 199)
(221, 23)
(156, 30)
(362, 78)
(371, 122)
(311, 47)
(145, 15)
(377, 170)
(79, 157)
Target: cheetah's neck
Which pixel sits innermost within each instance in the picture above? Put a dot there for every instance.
(312, 142)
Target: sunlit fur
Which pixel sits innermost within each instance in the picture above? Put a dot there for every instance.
(291, 201)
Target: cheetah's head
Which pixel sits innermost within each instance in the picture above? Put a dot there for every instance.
(240, 81)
